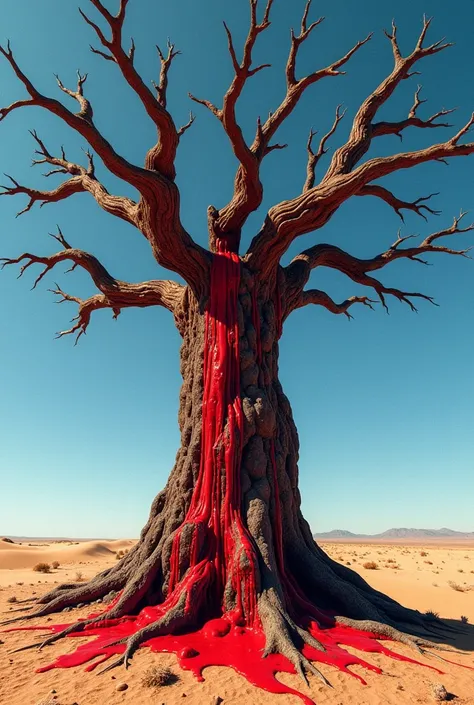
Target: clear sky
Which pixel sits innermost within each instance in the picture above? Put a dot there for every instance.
(384, 404)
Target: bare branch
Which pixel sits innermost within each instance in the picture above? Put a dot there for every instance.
(115, 294)
(68, 188)
(311, 210)
(382, 166)
(396, 128)
(397, 204)
(161, 156)
(325, 255)
(248, 191)
(185, 127)
(320, 298)
(393, 39)
(83, 179)
(157, 214)
(314, 157)
(296, 41)
(165, 62)
(116, 164)
(86, 111)
(207, 104)
(347, 156)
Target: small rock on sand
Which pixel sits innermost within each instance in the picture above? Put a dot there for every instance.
(439, 692)
(121, 686)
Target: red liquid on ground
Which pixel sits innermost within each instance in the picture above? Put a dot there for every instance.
(222, 551)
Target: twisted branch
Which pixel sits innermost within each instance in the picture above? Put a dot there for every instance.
(248, 190)
(396, 128)
(82, 179)
(161, 156)
(320, 298)
(314, 157)
(324, 255)
(397, 204)
(157, 214)
(363, 129)
(115, 294)
(81, 122)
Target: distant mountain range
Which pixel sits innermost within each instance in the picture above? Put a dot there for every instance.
(399, 534)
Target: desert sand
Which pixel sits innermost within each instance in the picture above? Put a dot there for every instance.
(419, 575)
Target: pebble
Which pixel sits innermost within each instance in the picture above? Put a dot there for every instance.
(121, 686)
(440, 692)
(52, 691)
(217, 700)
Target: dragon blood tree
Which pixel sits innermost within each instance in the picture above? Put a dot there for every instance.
(226, 568)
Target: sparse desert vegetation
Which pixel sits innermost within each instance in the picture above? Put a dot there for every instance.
(156, 677)
(42, 568)
(459, 588)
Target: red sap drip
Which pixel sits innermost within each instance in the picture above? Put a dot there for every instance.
(222, 550)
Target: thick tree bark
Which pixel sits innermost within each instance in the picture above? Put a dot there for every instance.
(226, 549)
(226, 536)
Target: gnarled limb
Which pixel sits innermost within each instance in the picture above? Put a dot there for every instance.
(68, 188)
(320, 298)
(115, 294)
(396, 128)
(397, 204)
(82, 179)
(161, 156)
(324, 255)
(157, 214)
(314, 157)
(313, 208)
(248, 191)
(79, 122)
(347, 156)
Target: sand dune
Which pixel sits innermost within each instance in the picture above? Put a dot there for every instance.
(419, 576)
(14, 555)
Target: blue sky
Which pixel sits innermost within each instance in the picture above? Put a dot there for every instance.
(384, 405)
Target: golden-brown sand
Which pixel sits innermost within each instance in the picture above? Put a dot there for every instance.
(403, 571)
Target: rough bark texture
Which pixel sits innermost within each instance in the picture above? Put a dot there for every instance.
(251, 560)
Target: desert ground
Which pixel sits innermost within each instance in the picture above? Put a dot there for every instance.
(424, 576)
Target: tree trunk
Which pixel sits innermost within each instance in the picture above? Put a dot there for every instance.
(226, 544)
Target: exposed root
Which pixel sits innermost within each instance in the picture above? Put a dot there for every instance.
(75, 628)
(282, 636)
(416, 643)
(175, 618)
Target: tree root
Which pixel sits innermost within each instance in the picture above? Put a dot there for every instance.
(175, 618)
(283, 636)
(383, 629)
(69, 595)
(75, 628)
